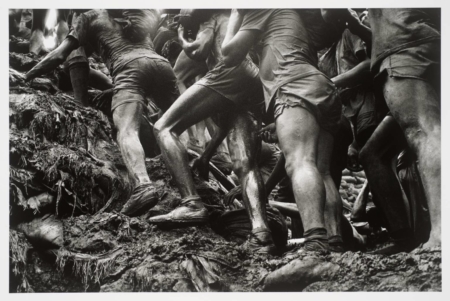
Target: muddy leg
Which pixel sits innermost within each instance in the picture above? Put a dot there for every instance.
(244, 147)
(298, 135)
(376, 157)
(333, 203)
(415, 105)
(127, 119)
(185, 112)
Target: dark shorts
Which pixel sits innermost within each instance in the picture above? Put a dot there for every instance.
(360, 107)
(420, 62)
(143, 79)
(239, 84)
(317, 94)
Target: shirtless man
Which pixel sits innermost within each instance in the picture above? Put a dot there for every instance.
(221, 90)
(306, 110)
(405, 58)
(137, 72)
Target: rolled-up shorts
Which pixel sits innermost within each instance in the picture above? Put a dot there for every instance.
(362, 109)
(143, 79)
(420, 62)
(240, 85)
(317, 94)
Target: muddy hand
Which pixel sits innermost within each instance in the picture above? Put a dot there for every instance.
(202, 166)
(268, 133)
(235, 193)
(352, 159)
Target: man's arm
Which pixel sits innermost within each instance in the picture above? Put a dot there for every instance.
(359, 74)
(53, 59)
(236, 44)
(346, 17)
(200, 48)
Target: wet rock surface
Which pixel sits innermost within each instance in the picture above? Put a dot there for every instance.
(65, 167)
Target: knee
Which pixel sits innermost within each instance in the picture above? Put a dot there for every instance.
(241, 167)
(294, 165)
(124, 133)
(158, 128)
(161, 129)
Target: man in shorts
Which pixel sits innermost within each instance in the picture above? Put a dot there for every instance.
(405, 58)
(232, 91)
(138, 73)
(306, 109)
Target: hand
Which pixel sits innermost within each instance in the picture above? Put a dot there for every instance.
(269, 133)
(235, 193)
(202, 166)
(16, 78)
(352, 159)
(181, 31)
(353, 22)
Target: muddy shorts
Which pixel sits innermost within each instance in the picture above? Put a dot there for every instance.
(419, 62)
(145, 78)
(360, 107)
(240, 84)
(315, 93)
(266, 167)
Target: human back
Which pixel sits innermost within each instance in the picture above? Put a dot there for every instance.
(106, 37)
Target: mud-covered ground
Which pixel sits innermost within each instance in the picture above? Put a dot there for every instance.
(68, 185)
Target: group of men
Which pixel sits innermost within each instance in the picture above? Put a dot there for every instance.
(263, 64)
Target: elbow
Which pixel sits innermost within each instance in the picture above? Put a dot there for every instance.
(196, 55)
(231, 60)
(232, 57)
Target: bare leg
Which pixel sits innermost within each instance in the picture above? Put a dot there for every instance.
(127, 119)
(415, 105)
(185, 112)
(222, 149)
(298, 135)
(333, 204)
(376, 157)
(244, 146)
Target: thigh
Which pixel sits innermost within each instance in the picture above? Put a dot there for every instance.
(414, 104)
(194, 105)
(298, 133)
(325, 150)
(128, 116)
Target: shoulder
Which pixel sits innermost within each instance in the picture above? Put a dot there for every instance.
(255, 18)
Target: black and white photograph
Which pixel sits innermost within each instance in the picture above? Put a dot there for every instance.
(223, 149)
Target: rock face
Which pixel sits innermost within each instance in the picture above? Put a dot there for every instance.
(68, 185)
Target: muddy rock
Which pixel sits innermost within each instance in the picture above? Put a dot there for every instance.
(44, 232)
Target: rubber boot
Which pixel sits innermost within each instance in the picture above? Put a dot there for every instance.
(79, 75)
